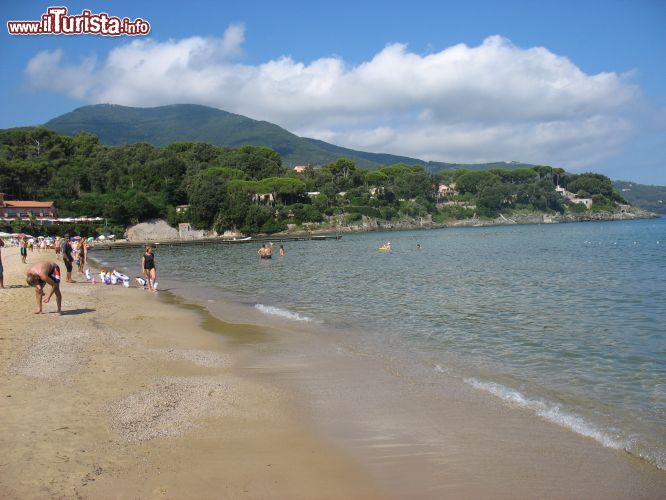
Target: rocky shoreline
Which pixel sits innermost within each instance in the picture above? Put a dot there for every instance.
(160, 231)
(369, 224)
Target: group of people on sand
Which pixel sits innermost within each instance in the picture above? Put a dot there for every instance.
(74, 253)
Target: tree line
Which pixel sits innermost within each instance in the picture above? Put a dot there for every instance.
(248, 188)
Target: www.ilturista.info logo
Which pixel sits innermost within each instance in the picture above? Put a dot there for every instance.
(56, 22)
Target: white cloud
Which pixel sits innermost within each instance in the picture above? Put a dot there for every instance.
(491, 102)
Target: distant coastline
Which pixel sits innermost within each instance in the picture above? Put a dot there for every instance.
(368, 225)
(404, 224)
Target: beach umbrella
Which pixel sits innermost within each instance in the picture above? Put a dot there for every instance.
(102, 237)
(90, 238)
(77, 237)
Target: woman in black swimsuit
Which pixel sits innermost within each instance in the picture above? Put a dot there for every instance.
(149, 269)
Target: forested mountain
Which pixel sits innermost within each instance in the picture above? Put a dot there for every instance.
(652, 198)
(161, 126)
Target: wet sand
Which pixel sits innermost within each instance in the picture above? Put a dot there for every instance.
(142, 395)
(428, 435)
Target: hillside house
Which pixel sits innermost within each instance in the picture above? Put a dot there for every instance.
(444, 189)
(263, 199)
(582, 201)
(570, 197)
(376, 191)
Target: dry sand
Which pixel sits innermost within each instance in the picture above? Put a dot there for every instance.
(126, 397)
(132, 394)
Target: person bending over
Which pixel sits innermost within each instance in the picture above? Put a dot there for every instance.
(41, 274)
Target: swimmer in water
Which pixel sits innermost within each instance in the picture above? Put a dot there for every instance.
(265, 252)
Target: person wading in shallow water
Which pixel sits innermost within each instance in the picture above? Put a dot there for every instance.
(265, 252)
(149, 269)
(41, 274)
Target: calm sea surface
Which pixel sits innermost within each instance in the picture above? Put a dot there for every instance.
(567, 320)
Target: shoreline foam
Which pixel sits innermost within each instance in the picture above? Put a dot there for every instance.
(322, 372)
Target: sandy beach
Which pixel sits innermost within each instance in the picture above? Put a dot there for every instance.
(133, 394)
(127, 397)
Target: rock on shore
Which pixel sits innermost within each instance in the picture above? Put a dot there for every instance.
(154, 230)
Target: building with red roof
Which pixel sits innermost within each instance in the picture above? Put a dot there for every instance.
(26, 209)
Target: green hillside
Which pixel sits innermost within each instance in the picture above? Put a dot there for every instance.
(164, 125)
(652, 198)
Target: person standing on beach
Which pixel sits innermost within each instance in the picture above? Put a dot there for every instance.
(23, 249)
(149, 269)
(2, 280)
(83, 254)
(39, 275)
(75, 251)
(66, 251)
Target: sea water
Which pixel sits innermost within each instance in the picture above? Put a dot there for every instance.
(565, 320)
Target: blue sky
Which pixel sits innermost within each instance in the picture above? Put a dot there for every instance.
(575, 84)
